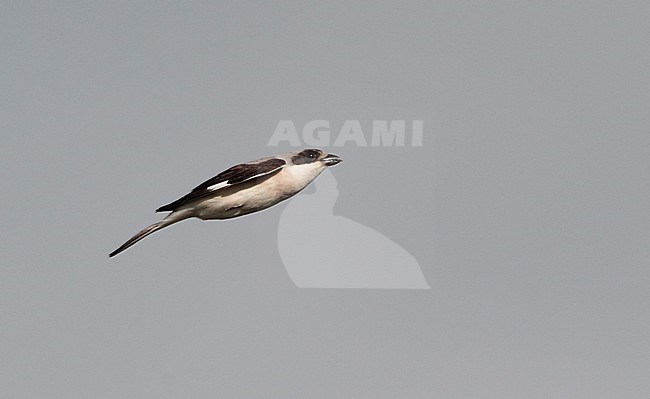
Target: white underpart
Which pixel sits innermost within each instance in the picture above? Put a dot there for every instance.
(305, 173)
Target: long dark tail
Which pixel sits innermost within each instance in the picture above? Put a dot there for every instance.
(168, 221)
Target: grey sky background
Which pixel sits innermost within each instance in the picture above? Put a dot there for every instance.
(526, 207)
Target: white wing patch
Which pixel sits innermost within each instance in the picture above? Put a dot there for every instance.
(218, 186)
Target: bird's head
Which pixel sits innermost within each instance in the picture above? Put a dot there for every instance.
(313, 155)
(306, 164)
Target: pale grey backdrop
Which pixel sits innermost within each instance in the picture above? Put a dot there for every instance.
(527, 206)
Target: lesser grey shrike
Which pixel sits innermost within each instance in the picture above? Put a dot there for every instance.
(245, 188)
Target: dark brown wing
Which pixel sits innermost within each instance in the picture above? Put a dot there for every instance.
(235, 175)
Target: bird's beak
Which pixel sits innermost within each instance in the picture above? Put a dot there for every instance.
(331, 159)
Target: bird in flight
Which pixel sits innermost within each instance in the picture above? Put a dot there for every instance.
(245, 188)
